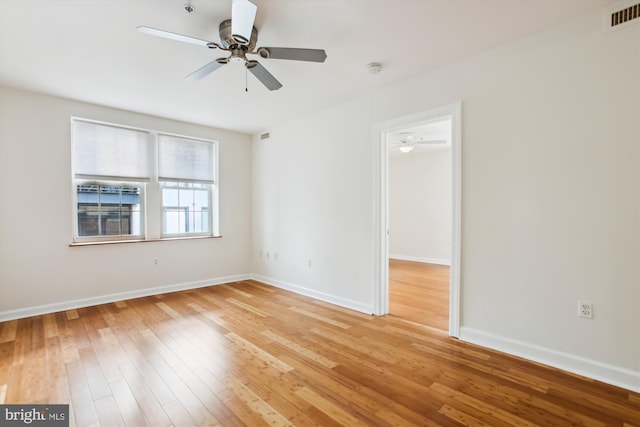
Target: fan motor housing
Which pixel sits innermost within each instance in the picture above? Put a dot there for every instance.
(227, 41)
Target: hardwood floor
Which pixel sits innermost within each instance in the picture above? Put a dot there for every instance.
(247, 354)
(419, 292)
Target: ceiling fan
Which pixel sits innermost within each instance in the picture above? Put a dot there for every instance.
(238, 36)
(408, 140)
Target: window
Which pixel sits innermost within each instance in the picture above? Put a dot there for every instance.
(116, 169)
(186, 175)
(109, 210)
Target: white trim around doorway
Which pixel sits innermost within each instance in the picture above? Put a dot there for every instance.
(381, 207)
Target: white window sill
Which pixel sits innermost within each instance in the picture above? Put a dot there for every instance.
(164, 239)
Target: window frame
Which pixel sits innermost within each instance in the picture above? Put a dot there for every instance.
(109, 238)
(151, 203)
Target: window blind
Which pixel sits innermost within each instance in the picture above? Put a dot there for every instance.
(109, 152)
(185, 159)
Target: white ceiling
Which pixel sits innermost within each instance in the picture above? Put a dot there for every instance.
(89, 50)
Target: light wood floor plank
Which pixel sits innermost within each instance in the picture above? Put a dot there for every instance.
(108, 412)
(461, 417)
(257, 405)
(127, 404)
(179, 415)
(8, 331)
(194, 406)
(320, 317)
(81, 401)
(146, 399)
(329, 407)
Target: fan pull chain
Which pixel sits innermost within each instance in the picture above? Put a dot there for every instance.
(246, 89)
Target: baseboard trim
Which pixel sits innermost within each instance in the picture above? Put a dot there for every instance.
(342, 302)
(420, 259)
(593, 369)
(120, 296)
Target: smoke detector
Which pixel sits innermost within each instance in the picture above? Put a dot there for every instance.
(374, 68)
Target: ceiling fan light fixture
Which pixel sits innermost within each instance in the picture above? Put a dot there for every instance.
(406, 148)
(407, 137)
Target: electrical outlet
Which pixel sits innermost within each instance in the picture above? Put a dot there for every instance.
(267, 255)
(155, 261)
(309, 262)
(585, 309)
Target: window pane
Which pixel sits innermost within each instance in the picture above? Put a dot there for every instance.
(112, 225)
(201, 199)
(185, 208)
(88, 220)
(201, 211)
(170, 197)
(186, 198)
(173, 221)
(108, 210)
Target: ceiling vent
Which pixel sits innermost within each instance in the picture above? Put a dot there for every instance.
(265, 136)
(628, 13)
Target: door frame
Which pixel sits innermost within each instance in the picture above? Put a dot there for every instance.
(381, 132)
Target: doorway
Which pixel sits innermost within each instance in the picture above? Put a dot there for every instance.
(420, 222)
(399, 133)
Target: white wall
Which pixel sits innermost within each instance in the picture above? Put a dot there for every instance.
(420, 206)
(37, 266)
(550, 196)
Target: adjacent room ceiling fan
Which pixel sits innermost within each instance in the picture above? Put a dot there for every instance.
(238, 36)
(408, 140)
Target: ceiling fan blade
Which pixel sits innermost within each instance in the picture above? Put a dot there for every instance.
(243, 14)
(263, 75)
(430, 142)
(294, 54)
(172, 36)
(205, 71)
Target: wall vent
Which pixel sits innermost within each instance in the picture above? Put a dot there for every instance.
(629, 13)
(265, 136)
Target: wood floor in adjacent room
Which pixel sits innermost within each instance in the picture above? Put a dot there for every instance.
(247, 354)
(419, 292)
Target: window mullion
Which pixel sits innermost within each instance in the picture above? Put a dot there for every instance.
(100, 210)
(120, 222)
(193, 209)
(153, 219)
